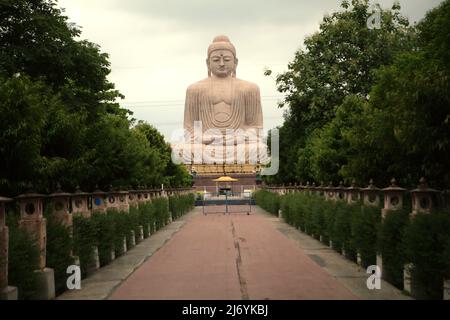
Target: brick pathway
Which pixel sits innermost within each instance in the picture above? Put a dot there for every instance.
(235, 256)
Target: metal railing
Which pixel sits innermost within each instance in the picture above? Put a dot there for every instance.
(226, 202)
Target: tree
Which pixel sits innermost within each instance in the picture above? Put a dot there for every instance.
(406, 123)
(61, 120)
(172, 175)
(337, 61)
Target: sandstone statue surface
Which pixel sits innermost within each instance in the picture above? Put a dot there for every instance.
(226, 111)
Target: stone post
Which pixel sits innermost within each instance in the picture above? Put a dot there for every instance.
(60, 204)
(99, 199)
(289, 188)
(371, 195)
(133, 239)
(141, 234)
(424, 200)
(446, 203)
(140, 195)
(100, 205)
(117, 200)
(446, 289)
(308, 188)
(80, 206)
(393, 201)
(393, 198)
(320, 189)
(124, 245)
(95, 263)
(133, 198)
(341, 192)
(6, 292)
(329, 192)
(314, 189)
(353, 195)
(147, 197)
(371, 198)
(32, 220)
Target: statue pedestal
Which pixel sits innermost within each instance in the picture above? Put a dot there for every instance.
(205, 174)
(245, 181)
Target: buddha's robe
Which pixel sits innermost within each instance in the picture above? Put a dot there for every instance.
(244, 112)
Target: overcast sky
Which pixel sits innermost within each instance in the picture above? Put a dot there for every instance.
(158, 48)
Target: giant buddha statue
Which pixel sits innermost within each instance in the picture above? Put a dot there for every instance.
(223, 103)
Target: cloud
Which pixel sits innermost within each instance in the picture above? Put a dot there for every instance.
(157, 48)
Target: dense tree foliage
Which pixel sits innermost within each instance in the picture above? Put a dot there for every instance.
(369, 103)
(61, 121)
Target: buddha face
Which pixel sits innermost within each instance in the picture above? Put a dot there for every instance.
(222, 63)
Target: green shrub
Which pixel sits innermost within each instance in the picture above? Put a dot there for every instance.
(267, 200)
(103, 228)
(146, 217)
(120, 226)
(84, 242)
(365, 225)
(179, 205)
(161, 206)
(286, 206)
(391, 245)
(132, 221)
(59, 249)
(23, 259)
(427, 240)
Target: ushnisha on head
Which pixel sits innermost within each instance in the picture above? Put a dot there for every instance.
(221, 61)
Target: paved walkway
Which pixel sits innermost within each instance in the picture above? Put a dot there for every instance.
(231, 257)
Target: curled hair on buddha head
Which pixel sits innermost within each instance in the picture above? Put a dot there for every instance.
(222, 42)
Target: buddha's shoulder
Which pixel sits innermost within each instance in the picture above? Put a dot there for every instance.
(199, 85)
(205, 84)
(246, 85)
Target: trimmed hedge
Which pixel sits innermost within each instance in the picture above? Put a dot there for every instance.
(84, 242)
(147, 218)
(365, 226)
(161, 212)
(23, 259)
(391, 246)
(107, 231)
(427, 243)
(104, 230)
(105, 235)
(423, 240)
(59, 247)
(268, 201)
(179, 205)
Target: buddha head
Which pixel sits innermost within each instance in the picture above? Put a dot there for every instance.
(221, 61)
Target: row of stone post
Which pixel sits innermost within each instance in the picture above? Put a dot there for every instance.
(64, 206)
(424, 200)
